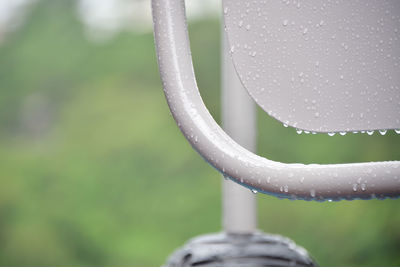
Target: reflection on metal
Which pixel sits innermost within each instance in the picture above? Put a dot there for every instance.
(239, 205)
(322, 66)
(234, 250)
(296, 181)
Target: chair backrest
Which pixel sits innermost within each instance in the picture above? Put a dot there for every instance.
(312, 181)
(323, 66)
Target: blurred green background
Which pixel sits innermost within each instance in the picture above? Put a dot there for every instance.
(94, 171)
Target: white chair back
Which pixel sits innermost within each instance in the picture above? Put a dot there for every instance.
(322, 66)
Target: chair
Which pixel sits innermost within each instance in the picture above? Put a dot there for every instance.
(310, 182)
(328, 67)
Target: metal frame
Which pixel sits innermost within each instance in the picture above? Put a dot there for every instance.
(239, 205)
(296, 181)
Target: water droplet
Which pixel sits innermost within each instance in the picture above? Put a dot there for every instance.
(301, 179)
(298, 131)
(331, 134)
(254, 191)
(355, 187)
(363, 187)
(285, 22)
(312, 192)
(342, 133)
(305, 31)
(370, 132)
(397, 131)
(226, 10)
(285, 125)
(286, 188)
(382, 132)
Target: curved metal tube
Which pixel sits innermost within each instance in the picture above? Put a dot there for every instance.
(296, 181)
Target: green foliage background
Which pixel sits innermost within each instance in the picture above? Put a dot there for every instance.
(96, 173)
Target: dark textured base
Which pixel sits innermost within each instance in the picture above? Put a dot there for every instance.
(242, 250)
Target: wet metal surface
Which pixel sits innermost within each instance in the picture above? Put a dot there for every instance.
(321, 66)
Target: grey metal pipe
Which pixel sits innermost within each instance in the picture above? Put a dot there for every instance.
(296, 181)
(239, 206)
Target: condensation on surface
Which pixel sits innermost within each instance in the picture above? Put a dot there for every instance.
(320, 66)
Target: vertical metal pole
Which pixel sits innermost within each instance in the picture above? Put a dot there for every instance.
(239, 207)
